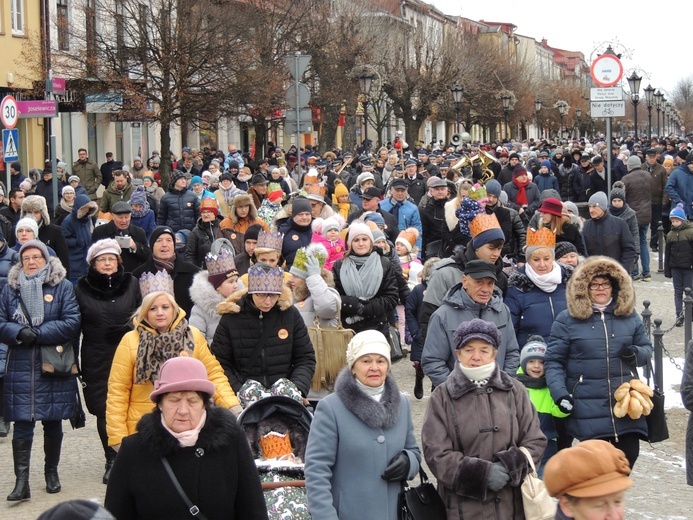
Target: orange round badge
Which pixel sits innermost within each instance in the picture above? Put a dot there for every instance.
(48, 298)
(283, 334)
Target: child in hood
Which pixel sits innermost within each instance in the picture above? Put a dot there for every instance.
(326, 232)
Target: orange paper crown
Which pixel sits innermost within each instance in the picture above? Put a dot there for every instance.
(542, 237)
(483, 222)
(275, 445)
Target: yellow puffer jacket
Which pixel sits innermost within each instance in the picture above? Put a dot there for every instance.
(127, 402)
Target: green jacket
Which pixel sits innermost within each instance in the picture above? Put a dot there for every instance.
(113, 195)
(89, 176)
(542, 401)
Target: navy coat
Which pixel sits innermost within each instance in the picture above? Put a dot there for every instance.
(533, 310)
(77, 228)
(178, 209)
(29, 396)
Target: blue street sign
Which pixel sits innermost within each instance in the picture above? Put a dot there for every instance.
(10, 145)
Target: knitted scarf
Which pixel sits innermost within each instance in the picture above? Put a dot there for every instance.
(344, 208)
(155, 348)
(143, 212)
(546, 282)
(165, 265)
(67, 206)
(361, 276)
(521, 198)
(479, 375)
(31, 292)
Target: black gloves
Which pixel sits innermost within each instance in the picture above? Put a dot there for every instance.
(565, 404)
(27, 336)
(498, 477)
(629, 354)
(398, 469)
(352, 306)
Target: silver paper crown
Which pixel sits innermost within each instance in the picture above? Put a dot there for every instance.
(265, 279)
(220, 264)
(272, 240)
(161, 281)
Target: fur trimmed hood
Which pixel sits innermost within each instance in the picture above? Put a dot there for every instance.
(56, 275)
(232, 304)
(577, 294)
(374, 414)
(32, 203)
(216, 435)
(203, 294)
(243, 199)
(83, 207)
(519, 280)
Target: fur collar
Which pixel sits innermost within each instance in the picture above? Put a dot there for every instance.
(204, 295)
(374, 414)
(519, 280)
(57, 274)
(450, 218)
(458, 384)
(103, 287)
(216, 435)
(236, 301)
(577, 293)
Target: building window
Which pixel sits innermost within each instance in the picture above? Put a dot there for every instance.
(63, 26)
(17, 13)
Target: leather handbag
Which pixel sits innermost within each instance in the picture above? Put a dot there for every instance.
(56, 360)
(421, 502)
(79, 419)
(537, 502)
(657, 429)
(330, 345)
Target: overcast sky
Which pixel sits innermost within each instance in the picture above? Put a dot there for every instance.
(589, 28)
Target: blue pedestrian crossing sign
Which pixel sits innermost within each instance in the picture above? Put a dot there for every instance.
(10, 145)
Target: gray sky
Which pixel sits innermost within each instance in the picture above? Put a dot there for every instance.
(589, 28)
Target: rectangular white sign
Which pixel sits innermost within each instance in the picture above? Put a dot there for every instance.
(607, 108)
(606, 94)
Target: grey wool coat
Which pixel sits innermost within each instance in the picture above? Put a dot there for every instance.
(352, 440)
(493, 422)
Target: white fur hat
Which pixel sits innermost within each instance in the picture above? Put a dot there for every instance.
(367, 342)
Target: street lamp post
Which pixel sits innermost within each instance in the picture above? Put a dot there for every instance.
(634, 84)
(457, 91)
(578, 115)
(562, 110)
(668, 111)
(365, 82)
(649, 97)
(537, 109)
(506, 109)
(658, 97)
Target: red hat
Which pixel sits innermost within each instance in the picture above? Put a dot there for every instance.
(552, 207)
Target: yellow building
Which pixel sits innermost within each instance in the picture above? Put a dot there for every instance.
(20, 21)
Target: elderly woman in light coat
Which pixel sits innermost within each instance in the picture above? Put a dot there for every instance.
(361, 444)
(475, 424)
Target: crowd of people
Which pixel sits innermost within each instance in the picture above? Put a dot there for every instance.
(513, 286)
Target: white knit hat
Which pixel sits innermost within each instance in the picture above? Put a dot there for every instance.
(367, 342)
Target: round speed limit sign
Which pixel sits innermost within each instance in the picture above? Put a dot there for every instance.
(9, 112)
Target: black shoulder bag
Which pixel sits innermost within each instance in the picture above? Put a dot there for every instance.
(56, 360)
(657, 429)
(421, 502)
(192, 508)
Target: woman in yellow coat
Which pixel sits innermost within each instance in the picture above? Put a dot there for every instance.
(161, 332)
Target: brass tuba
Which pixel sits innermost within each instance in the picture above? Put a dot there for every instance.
(484, 159)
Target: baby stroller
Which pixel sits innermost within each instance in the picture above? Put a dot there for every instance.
(277, 430)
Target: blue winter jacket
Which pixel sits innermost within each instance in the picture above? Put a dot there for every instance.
(583, 360)
(408, 216)
(532, 309)
(148, 222)
(8, 257)
(680, 188)
(77, 228)
(546, 182)
(29, 396)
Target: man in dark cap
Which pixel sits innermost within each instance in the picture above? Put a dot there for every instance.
(180, 207)
(245, 259)
(474, 297)
(132, 239)
(433, 222)
(258, 189)
(416, 183)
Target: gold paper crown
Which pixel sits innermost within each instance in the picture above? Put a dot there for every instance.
(483, 222)
(272, 240)
(316, 250)
(265, 279)
(150, 283)
(220, 264)
(542, 237)
(477, 192)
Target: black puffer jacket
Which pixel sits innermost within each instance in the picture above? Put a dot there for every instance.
(200, 241)
(178, 209)
(106, 303)
(610, 236)
(679, 248)
(286, 353)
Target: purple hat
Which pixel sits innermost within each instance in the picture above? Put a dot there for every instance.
(476, 329)
(182, 374)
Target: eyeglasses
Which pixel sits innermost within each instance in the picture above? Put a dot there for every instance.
(595, 286)
(34, 258)
(264, 296)
(103, 259)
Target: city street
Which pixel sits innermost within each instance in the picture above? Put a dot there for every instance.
(660, 490)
